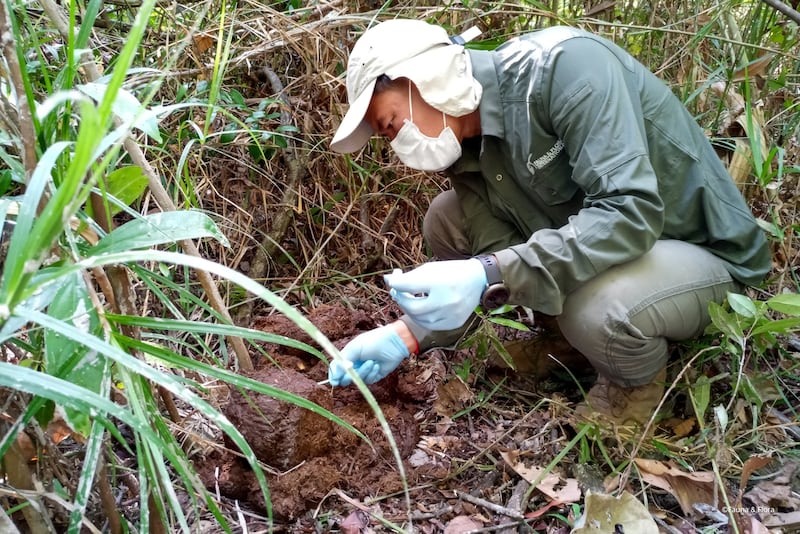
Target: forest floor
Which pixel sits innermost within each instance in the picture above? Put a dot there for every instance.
(473, 435)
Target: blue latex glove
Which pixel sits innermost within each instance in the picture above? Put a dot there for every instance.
(439, 295)
(373, 355)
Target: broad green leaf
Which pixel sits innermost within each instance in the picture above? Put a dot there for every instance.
(92, 453)
(700, 394)
(742, 305)
(788, 303)
(56, 100)
(38, 296)
(498, 346)
(126, 184)
(173, 360)
(25, 243)
(14, 166)
(726, 322)
(158, 229)
(72, 305)
(510, 323)
(125, 106)
(158, 323)
(749, 391)
(781, 326)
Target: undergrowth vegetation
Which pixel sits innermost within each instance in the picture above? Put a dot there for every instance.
(166, 177)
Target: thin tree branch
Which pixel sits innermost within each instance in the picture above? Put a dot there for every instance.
(28, 148)
(783, 8)
(496, 508)
(296, 163)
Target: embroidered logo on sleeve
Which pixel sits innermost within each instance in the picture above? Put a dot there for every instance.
(545, 159)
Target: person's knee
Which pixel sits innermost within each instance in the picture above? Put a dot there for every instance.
(444, 227)
(602, 329)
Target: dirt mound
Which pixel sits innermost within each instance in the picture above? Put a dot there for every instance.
(306, 453)
(313, 464)
(282, 434)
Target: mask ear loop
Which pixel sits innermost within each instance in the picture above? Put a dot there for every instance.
(411, 108)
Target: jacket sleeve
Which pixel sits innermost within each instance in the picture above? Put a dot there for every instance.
(590, 99)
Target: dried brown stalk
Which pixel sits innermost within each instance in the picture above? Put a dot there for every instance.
(296, 162)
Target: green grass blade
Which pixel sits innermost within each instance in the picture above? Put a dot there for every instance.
(92, 454)
(155, 323)
(167, 381)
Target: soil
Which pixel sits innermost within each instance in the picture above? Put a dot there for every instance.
(323, 476)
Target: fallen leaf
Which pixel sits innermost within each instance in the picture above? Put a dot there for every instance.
(751, 525)
(453, 396)
(682, 427)
(419, 458)
(355, 522)
(790, 521)
(203, 42)
(541, 511)
(757, 67)
(604, 512)
(461, 524)
(754, 463)
(563, 491)
(687, 488)
(59, 430)
(769, 495)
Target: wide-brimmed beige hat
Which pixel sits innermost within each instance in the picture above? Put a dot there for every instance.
(404, 48)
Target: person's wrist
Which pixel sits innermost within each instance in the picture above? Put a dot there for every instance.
(495, 294)
(406, 336)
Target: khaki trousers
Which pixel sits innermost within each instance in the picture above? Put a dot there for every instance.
(624, 318)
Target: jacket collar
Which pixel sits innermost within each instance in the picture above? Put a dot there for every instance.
(491, 113)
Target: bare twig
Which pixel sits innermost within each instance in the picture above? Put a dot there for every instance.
(496, 508)
(296, 163)
(440, 511)
(504, 527)
(783, 8)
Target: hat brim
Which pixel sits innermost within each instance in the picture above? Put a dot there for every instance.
(354, 132)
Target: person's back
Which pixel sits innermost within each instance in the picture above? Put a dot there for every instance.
(543, 79)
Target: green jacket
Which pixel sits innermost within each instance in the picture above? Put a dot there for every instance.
(585, 159)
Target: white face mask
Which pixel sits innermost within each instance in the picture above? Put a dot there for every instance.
(418, 151)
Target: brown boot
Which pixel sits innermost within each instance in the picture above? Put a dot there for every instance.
(607, 401)
(537, 354)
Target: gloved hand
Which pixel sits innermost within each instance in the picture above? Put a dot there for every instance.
(373, 355)
(439, 295)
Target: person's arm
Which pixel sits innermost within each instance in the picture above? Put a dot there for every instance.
(407, 336)
(427, 339)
